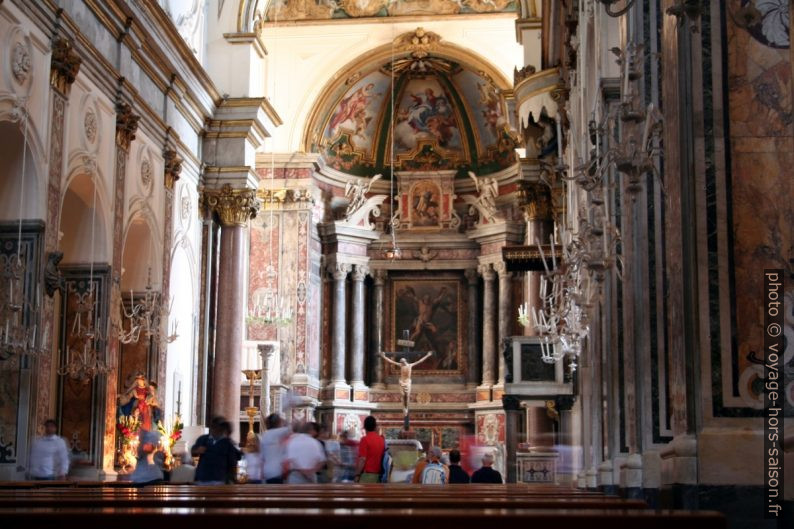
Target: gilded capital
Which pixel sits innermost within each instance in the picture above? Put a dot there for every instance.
(173, 167)
(64, 65)
(235, 207)
(536, 201)
(126, 125)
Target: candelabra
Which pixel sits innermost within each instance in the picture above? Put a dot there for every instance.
(17, 337)
(146, 317)
(252, 375)
(271, 308)
(84, 354)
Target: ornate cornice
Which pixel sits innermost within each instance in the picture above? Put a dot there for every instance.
(272, 197)
(126, 125)
(173, 167)
(235, 207)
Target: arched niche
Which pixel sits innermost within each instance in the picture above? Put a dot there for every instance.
(18, 194)
(139, 263)
(83, 223)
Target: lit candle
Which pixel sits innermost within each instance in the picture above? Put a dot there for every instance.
(626, 73)
(559, 137)
(647, 131)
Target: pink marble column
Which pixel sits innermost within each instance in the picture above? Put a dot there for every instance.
(234, 208)
(489, 324)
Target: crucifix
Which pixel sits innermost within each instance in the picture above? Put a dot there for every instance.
(405, 372)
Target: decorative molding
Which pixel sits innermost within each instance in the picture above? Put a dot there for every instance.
(173, 167)
(284, 195)
(126, 125)
(235, 207)
(64, 65)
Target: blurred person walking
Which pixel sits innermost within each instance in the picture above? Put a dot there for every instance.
(304, 456)
(272, 448)
(49, 457)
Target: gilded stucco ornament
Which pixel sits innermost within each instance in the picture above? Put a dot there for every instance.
(64, 65)
(235, 207)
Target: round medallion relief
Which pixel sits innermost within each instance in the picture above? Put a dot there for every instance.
(20, 62)
(90, 126)
(146, 173)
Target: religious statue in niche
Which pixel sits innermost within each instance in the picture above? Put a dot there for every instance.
(426, 312)
(140, 401)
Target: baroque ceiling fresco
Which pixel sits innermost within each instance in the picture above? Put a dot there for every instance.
(446, 117)
(288, 10)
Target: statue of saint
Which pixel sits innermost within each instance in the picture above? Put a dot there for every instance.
(140, 401)
(405, 375)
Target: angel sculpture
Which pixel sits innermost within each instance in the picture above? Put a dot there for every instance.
(356, 191)
(487, 191)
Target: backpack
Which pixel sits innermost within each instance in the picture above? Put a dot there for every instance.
(434, 474)
(385, 466)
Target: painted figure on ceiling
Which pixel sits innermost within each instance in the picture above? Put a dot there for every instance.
(353, 110)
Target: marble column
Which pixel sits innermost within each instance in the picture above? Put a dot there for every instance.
(474, 358)
(357, 327)
(488, 324)
(234, 208)
(505, 317)
(266, 351)
(379, 277)
(339, 272)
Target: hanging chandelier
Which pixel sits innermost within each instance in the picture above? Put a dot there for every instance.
(272, 307)
(85, 351)
(147, 317)
(18, 338)
(85, 357)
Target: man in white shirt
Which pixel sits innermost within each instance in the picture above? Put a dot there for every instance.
(305, 456)
(272, 448)
(49, 457)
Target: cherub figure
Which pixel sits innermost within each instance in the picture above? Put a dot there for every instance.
(356, 191)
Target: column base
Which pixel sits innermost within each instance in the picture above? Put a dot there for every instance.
(498, 391)
(484, 392)
(360, 392)
(337, 391)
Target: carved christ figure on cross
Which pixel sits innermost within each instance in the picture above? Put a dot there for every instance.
(405, 375)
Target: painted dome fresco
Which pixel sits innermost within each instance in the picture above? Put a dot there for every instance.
(446, 117)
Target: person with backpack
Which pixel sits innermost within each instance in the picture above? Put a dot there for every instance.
(435, 473)
(370, 453)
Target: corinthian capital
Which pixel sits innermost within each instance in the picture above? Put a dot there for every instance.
(487, 272)
(64, 65)
(339, 271)
(235, 207)
(360, 272)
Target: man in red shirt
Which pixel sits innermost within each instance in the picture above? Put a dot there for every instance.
(370, 453)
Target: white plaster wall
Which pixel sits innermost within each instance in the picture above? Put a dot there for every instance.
(145, 202)
(31, 96)
(95, 158)
(181, 362)
(302, 59)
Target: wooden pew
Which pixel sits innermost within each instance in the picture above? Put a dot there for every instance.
(353, 518)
